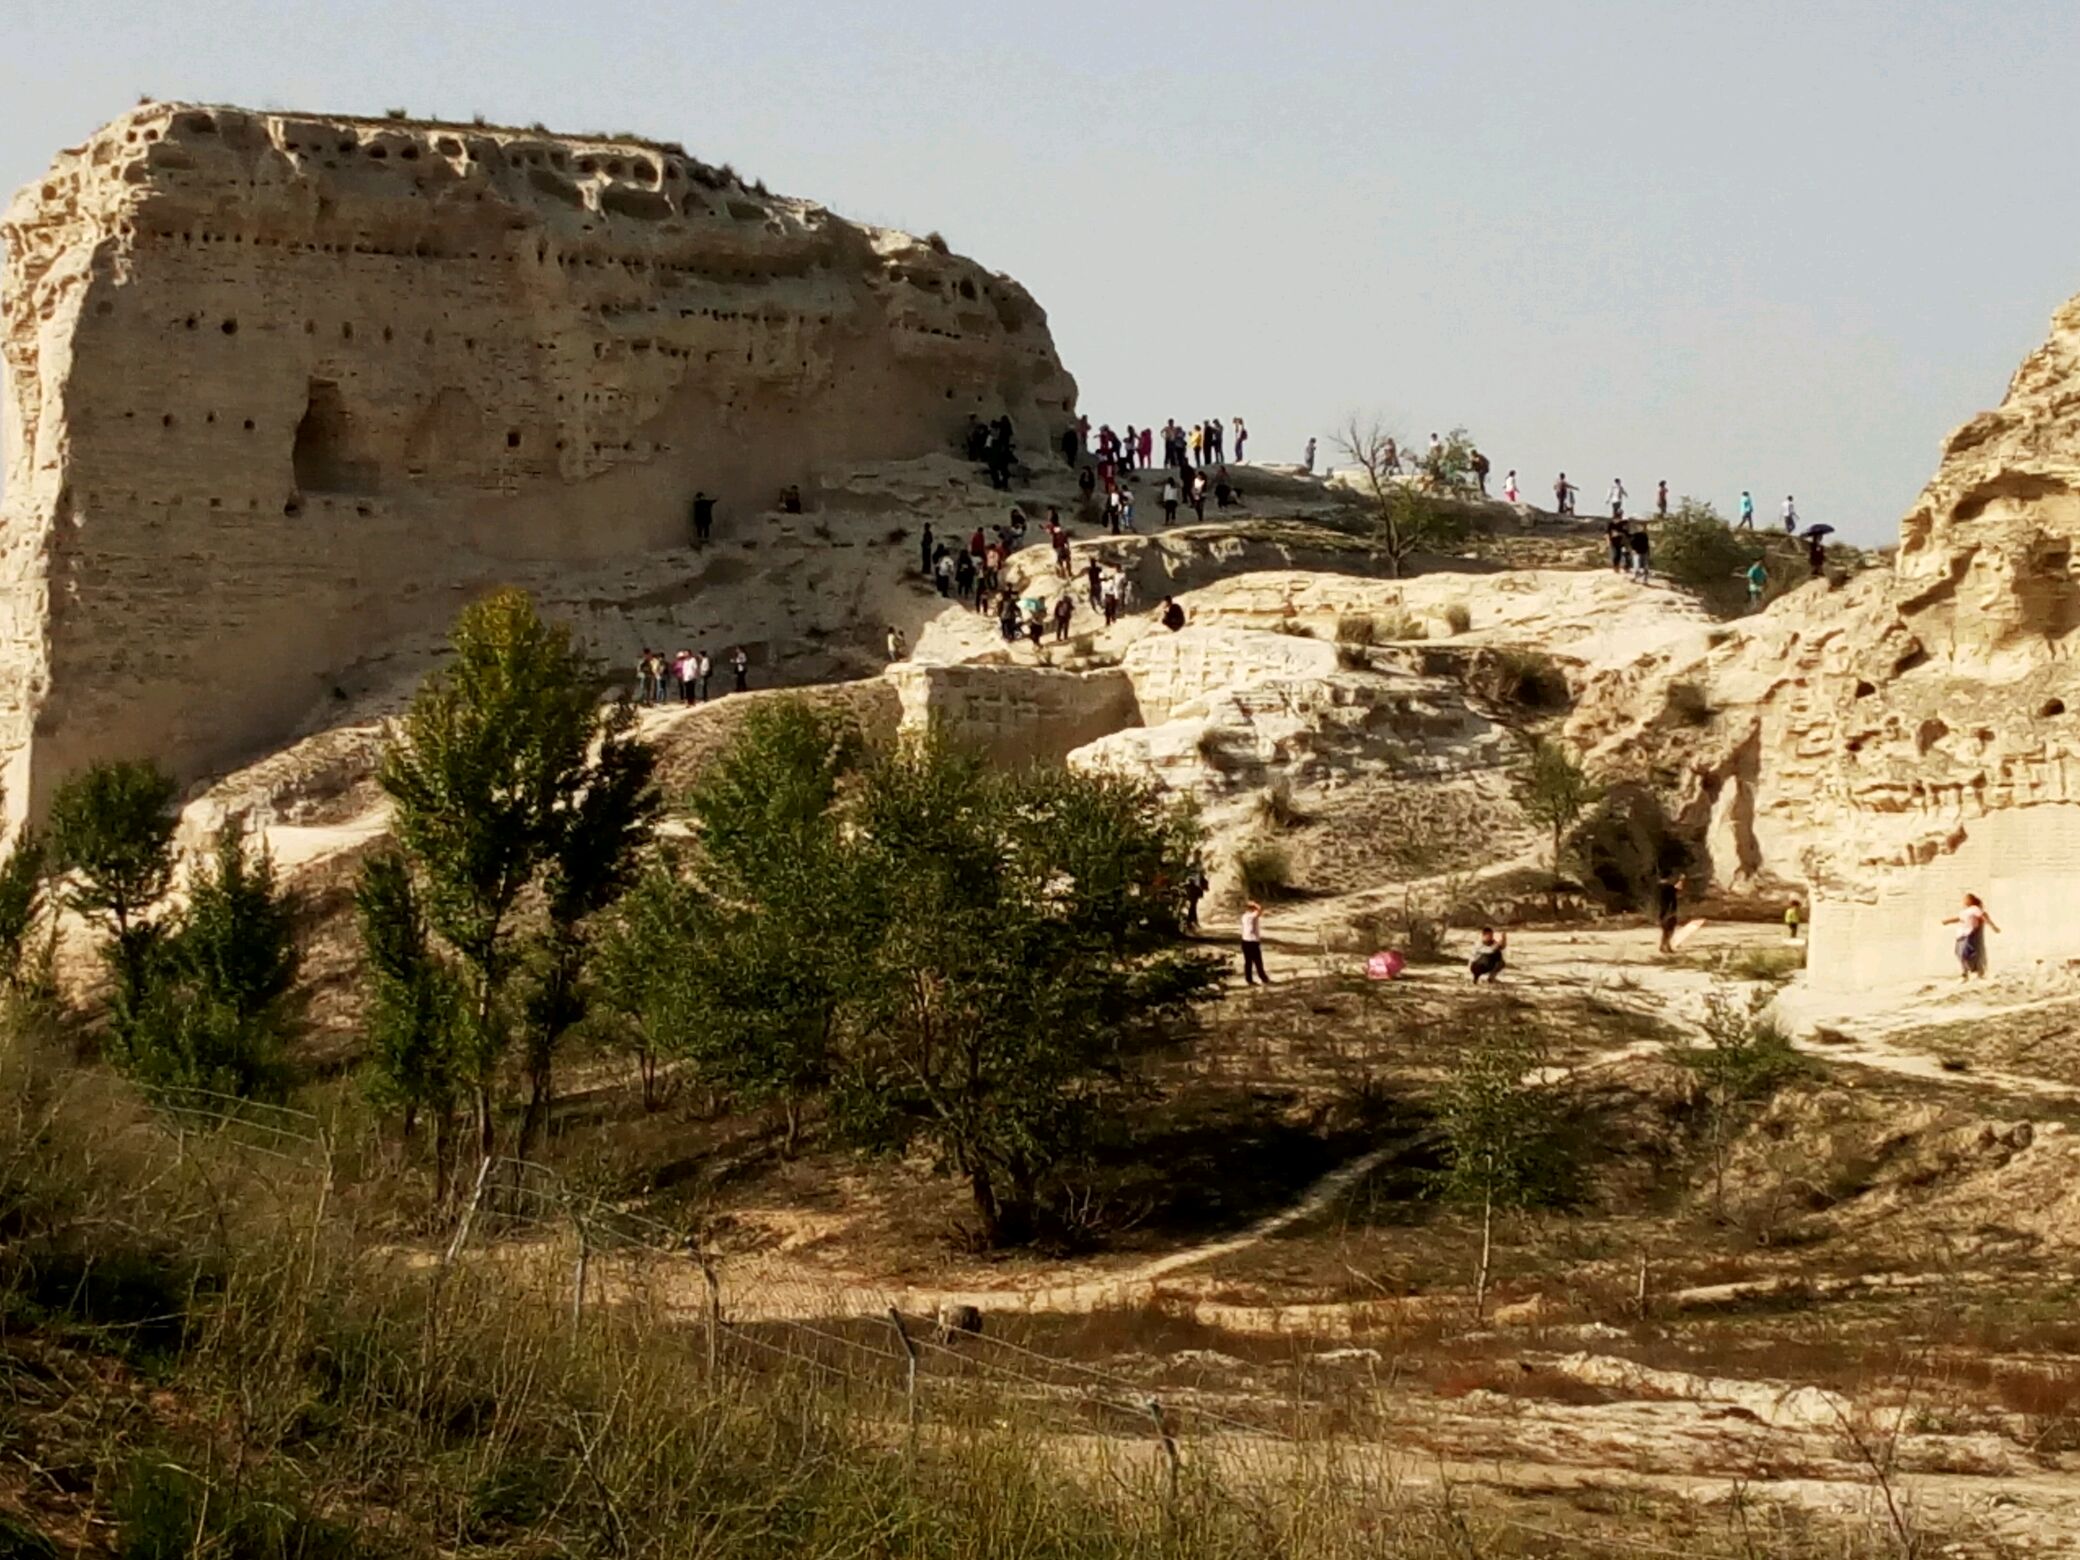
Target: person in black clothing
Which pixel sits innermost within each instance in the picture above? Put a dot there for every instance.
(1614, 533)
(703, 518)
(1816, 556)
(1661, 498)
(1173, 614)
(924, 552)
(1095, 573)
(1642, 552)
(1668, 897)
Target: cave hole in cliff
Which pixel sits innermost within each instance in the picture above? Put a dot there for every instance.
(326, 457)
(2052, 707)
(1865, 689)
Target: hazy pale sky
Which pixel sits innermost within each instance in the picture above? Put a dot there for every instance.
(1779, 246)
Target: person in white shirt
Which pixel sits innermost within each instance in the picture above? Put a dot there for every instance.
(1509, 488)
(1973, 923)
(1253, 944)
(1790, 516)
(1170, 497)
(683, 668)
(1617, 499)
(895, 644)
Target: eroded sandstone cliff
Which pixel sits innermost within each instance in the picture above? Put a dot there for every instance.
(1891, 743)
(284, 388)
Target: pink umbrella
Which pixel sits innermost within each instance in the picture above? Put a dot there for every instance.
(1384, 965)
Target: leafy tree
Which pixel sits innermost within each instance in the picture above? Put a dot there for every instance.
(593, 863)
(497, 790)
(1556, 793)
(642, 971)
(1003, 997)
(416, 1007)
(1403, 519)
(1501, 1133)
(111, 834)
(24, 884)
(1745, 1057)
(1695, 547)
(745, 970)
(214, 1003)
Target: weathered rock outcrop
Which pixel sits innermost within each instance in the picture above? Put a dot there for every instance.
(1896, 741)
(285, 388)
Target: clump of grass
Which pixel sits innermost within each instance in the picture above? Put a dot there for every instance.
(937, 240)
(1265, 868)
(897, 535)
(1292, 628)
(397, 113)
(1776, 964)
(1458, 617)
(1530, 679)
(1689, 704)
(1357, 628)
(1216, 752)
(1354, 658)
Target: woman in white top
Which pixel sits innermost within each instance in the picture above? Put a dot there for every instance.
(1253, 944)
(1509, 487)
(1973, 924)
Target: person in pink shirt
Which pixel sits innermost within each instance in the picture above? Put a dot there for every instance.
(1148, 447)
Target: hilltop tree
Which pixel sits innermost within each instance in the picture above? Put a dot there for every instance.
(508, 775)
(1403, 519)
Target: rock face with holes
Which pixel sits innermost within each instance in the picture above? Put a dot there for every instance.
(283, 388)
(1892, 743)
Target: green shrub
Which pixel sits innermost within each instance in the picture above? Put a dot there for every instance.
(1293, 628)
(1354, 658)
(1688, 703)
(1458, 617)
(1528, 678)
(1356, 628)
(1265, 868)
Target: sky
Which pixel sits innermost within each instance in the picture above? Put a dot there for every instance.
(1782, 247)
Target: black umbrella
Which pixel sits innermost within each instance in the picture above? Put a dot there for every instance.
(1819, 530)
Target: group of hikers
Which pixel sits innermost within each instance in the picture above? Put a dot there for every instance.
(994, 447)
(974, 573)
(1184, 447)
(684, 678)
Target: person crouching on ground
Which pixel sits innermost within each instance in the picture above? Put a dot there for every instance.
(1487, 959)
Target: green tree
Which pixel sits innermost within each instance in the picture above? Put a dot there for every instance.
(215, 1004)
(491, 772)
(24, 884)
(1002, 1001)
(111, 835)
(415, 1011)
(1695, 547)
(745, 969)
(1555, 795)
(648, 990)
(1744, 1057)
(1500, 1126)
(1403, 518)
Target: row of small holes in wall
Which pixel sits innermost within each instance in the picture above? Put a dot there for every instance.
(447, 146)
(166, 420)
(706, 270)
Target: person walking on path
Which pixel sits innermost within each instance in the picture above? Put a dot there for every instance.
(740, 667)
(1563, 495)
(703, 519)
(1747, 520)
(646, 678)
(1617, 499)
(1064, 608)
(1816, 556)
(1307, 460)
(1253, 945)
(1194, 891)
(1793, 916)
(1620, 545)
(1668, 904)
(1509, 488)
(1661, 499)
(1758, 582)
(1480, 471)
(1972, 923)
(1790, 516)
(1170, 496)
(1642, 553)
(896, 648)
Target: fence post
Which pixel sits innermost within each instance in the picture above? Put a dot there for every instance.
(1169, 1442)
(1641, 1297)
(714, 1288)
(578, 1278)
(469, 1213)
(895, 1320)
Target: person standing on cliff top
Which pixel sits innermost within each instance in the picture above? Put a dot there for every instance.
(704, 668)
(1747, 520)
(1241, 440)
(1170, 497)
(1661, 498)
(1617, 499)
(1790, 516)
(1563, 495)
(1509, 487)
(1064, 609)
(1307, 460)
